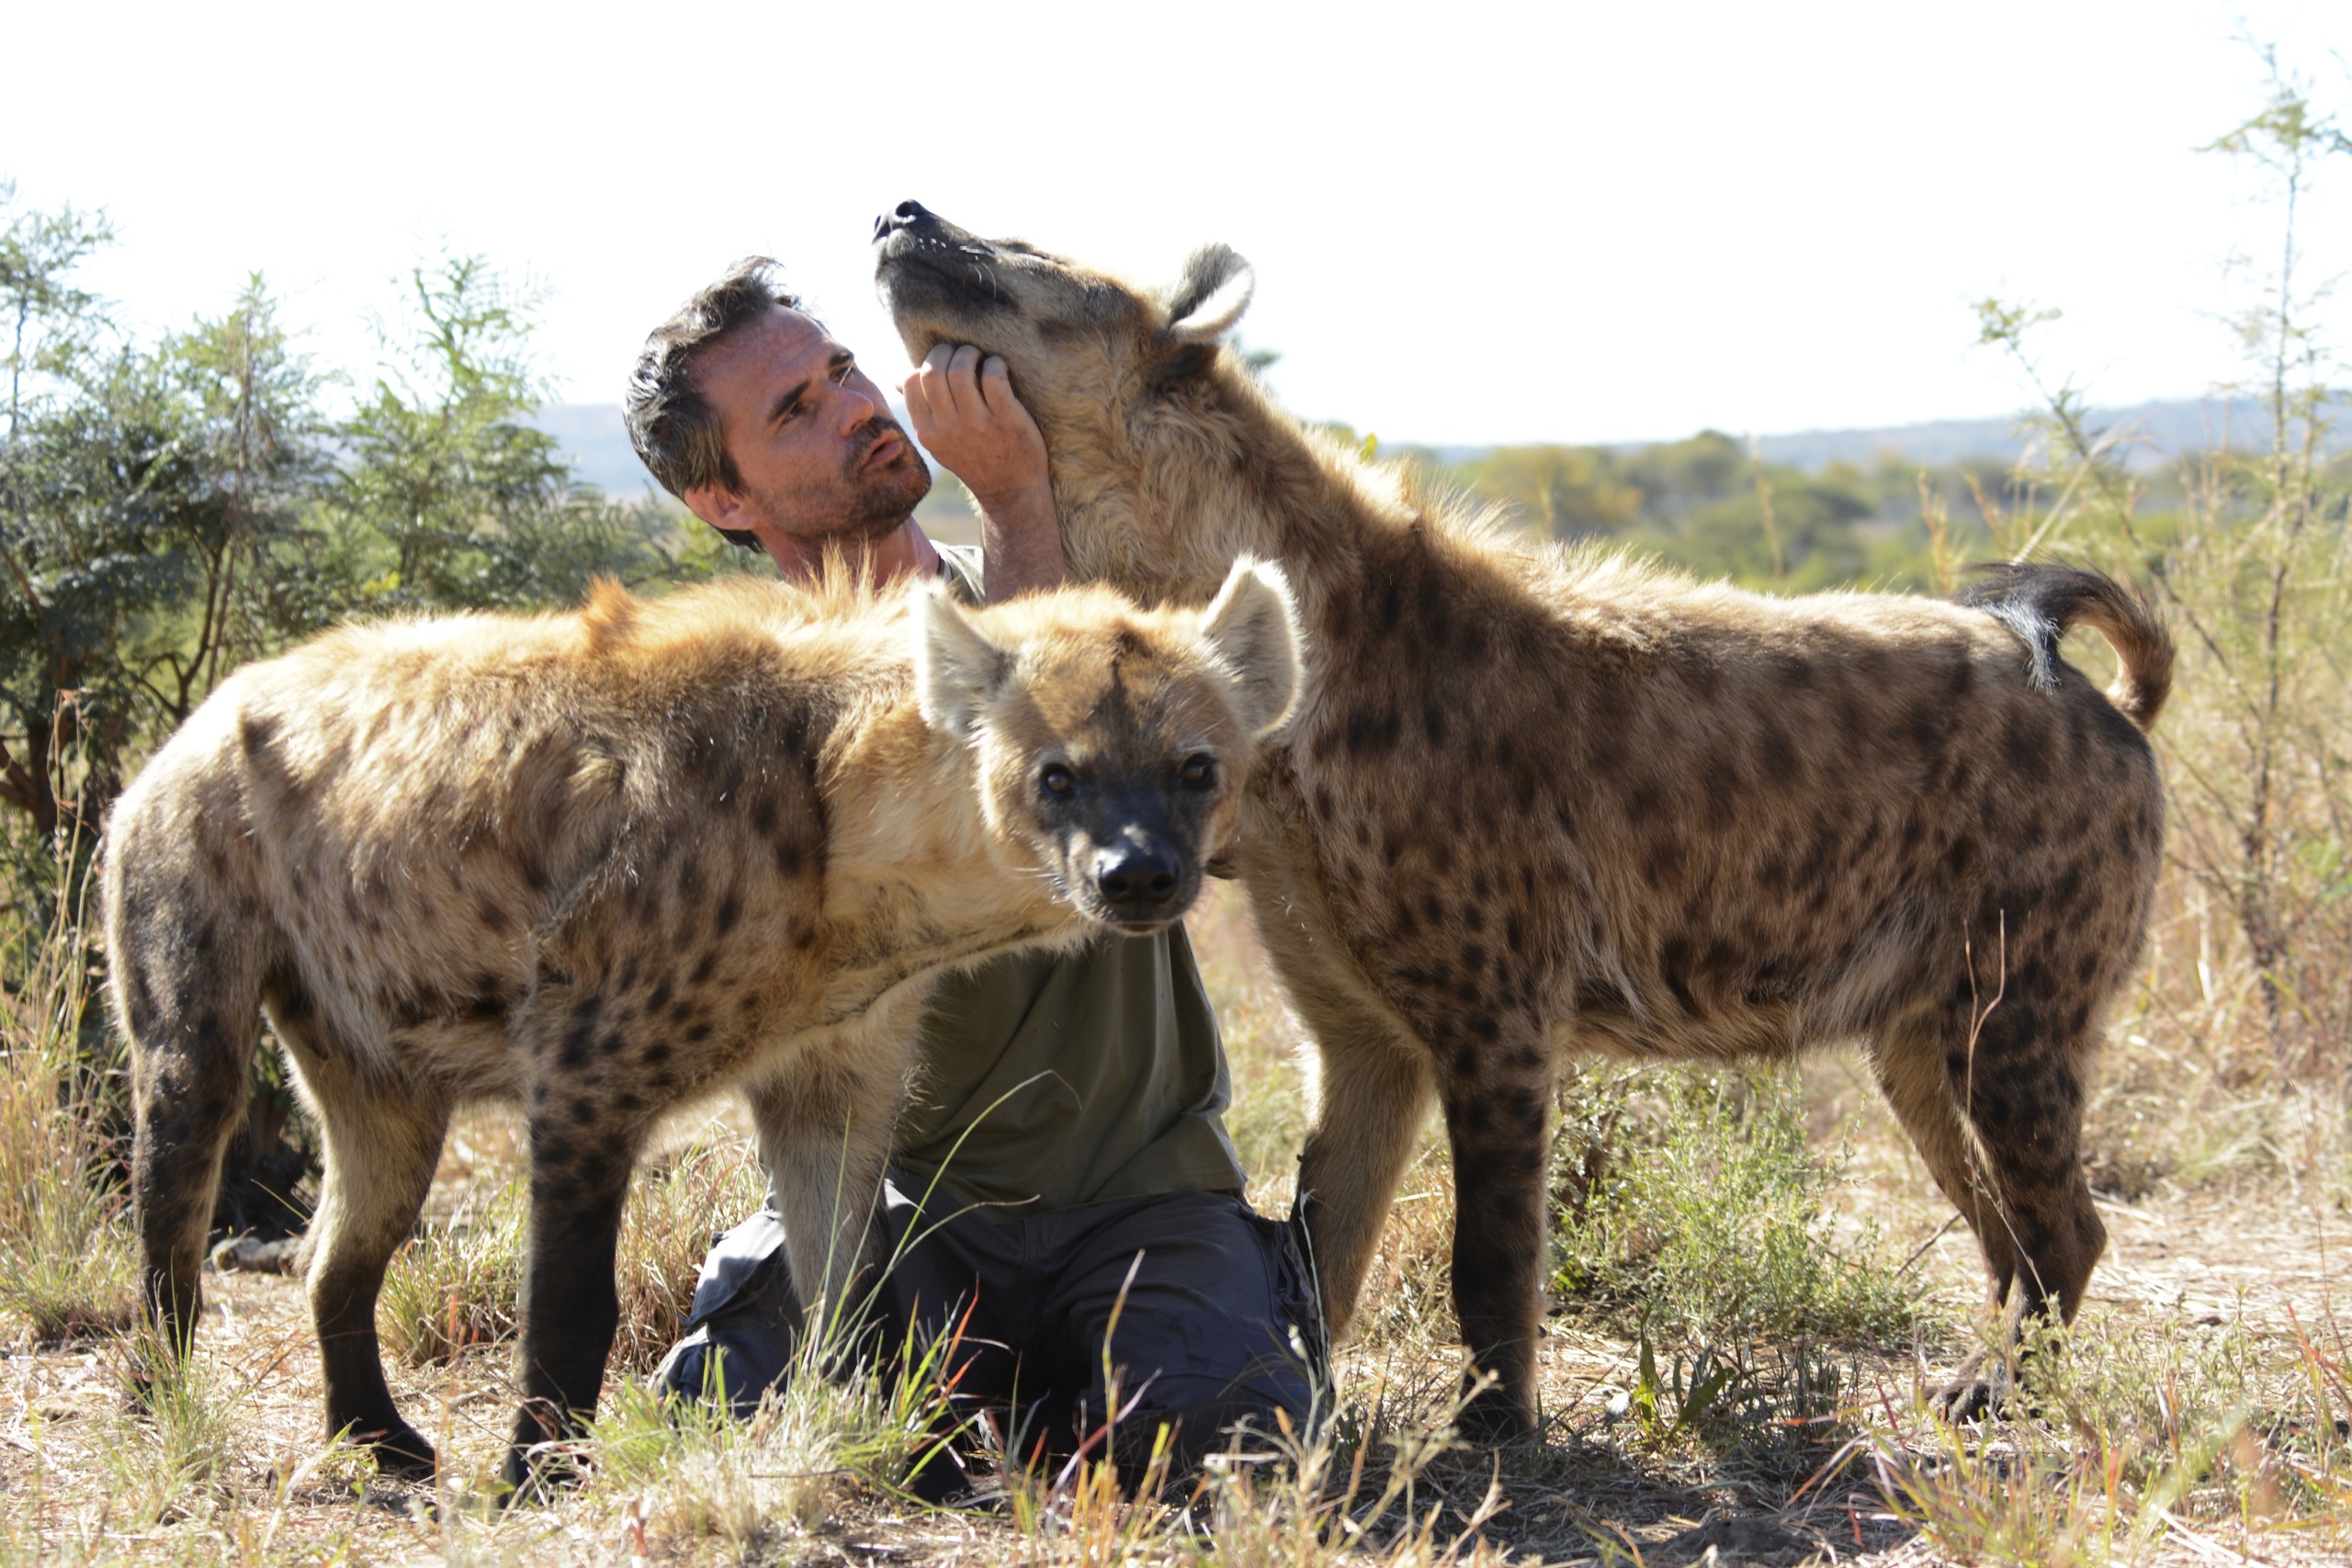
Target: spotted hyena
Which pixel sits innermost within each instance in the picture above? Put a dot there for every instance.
(598, 863)
(1542, 801)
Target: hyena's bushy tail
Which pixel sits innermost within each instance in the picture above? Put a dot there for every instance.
(2042, 603)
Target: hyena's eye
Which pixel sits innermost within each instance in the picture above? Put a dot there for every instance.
(1055, 779)
(1198, 773)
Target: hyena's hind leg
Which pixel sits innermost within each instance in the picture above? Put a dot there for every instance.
(1994, 1102)
(186, 976)
(380, 1154)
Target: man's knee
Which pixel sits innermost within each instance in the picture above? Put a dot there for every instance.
(744, 1328)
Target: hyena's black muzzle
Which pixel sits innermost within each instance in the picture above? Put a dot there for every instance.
(921, 259)
(1133, 867)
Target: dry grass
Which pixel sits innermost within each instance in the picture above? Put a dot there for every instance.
(2195, 1414)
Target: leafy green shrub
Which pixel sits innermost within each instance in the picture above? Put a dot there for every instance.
(1693, 1203)
(455, 1285)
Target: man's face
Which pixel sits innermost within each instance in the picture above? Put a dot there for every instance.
(818, 454)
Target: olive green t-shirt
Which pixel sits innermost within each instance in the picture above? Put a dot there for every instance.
(1069, 1078)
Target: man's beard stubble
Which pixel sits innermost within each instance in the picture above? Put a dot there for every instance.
(866, 507)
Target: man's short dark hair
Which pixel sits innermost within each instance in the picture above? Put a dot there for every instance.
(676, 433)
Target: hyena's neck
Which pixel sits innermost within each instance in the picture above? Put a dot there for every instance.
(1347, 533)
(910, 863)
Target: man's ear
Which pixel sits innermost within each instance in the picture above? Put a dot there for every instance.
(958, 672)
(1209, 298)
(719, 506)
(1252, 628)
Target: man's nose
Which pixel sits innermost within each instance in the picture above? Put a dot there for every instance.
(906, 215)
(861, 403)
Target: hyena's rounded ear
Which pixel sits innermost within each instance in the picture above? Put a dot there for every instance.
(958, 672)
(1252, 628)
(1209, 298)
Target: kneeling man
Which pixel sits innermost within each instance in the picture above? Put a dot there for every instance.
(1064, 1156)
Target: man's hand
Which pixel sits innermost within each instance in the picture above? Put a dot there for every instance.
(963, 409)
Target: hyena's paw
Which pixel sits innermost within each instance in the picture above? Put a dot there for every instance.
(1981, 1390)
(400, 1451)
(1492, 1419)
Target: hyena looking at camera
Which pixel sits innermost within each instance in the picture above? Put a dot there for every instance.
(603, 862)
(1541, 801)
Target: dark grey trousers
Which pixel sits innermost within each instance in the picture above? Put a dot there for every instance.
(1216, 1326)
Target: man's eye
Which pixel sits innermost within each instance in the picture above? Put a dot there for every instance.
(1055, 779)
(1198, 773)
(845, 369)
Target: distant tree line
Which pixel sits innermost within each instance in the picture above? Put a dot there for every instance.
(170, 508)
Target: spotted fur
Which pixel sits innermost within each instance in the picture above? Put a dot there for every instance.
(602, 864)
(1539, 802)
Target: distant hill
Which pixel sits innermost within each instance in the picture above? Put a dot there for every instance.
(595, 441)
(2154, 430)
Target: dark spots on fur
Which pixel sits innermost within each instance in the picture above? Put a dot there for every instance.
(730, 910)
(696, 1033)
(1674, 963)
(1777, 755)
(1370, 733)
(1473, 954)
(2025, 744)
(256, 733)
(578, 1041)
(658, 999)
(1433, 722)
(704, 968)
(488, 998)
(1322, 803)
(787, 858)
(763, 815)
(1485, 1029)
(1473, 919)
(1643, 801)
(1515, 936)
(1960, 858)
(1663, 861)
(495, 921)
(1432, 911)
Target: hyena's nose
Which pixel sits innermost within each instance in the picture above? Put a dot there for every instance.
(1135, 882)
(906, 215)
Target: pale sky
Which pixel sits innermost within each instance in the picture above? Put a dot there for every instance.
(1471, 222)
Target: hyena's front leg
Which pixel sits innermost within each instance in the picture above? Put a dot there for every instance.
(825, 1138)
(1495, 1094)
(1373, 1099)
(569, 1308)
